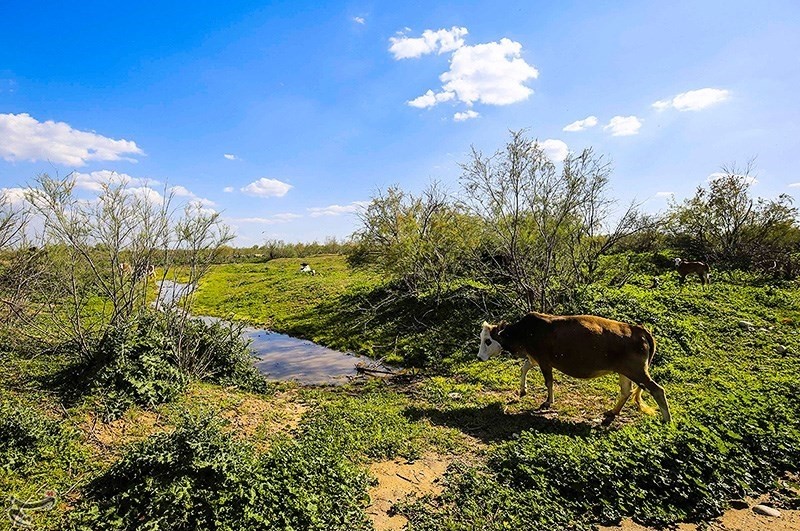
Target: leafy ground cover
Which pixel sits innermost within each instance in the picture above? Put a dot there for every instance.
(297, 457)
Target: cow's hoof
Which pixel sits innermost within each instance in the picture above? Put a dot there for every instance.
(609, 413)
(609, 419)
(545, 406)
(523, 393)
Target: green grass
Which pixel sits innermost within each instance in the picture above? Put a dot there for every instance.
(735, 399)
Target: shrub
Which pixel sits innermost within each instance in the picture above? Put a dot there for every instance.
(140, 363)
(201, 477)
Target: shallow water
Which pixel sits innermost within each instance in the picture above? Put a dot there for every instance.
(281, 357)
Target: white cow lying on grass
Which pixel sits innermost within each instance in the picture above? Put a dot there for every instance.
(305, 268)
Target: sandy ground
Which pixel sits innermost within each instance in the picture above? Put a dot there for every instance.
(733, 520)
(398, 479)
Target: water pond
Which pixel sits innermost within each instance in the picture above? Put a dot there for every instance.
(281, 357)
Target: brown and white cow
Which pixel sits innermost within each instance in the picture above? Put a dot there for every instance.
(701, 269)
(582, 346)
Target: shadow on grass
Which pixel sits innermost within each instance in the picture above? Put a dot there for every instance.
(491, 423)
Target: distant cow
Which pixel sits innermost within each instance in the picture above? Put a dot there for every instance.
(701, 269)
(138, 272)
(582, 346)
(305, 268)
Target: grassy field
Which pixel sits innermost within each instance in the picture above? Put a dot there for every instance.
(297, 457)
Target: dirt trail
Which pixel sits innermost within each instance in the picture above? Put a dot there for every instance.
(398, 479)
(732, 520)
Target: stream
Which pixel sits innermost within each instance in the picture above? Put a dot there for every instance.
(281, 357)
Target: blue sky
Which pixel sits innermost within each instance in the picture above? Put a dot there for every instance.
(319, 106)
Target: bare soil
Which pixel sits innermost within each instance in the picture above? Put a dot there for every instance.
(733, 520)
(399, 479)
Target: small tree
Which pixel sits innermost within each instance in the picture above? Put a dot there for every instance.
(724, 224)
(104, 252)
(545, 227)
(424, 241)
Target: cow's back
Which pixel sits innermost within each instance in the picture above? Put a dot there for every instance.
(583, 346)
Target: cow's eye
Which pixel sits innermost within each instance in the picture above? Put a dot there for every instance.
(488, 341)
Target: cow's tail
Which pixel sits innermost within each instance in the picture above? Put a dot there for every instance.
(637, 392)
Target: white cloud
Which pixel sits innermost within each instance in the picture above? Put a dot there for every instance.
(556, 150)
(23, 137)
(182, 191)
(12, 196)
(336, 210)
(794, 185)
(267, 188)
(623, 126)
(228, 189)
(749, 179)
(145, 192)
(95, 180)
(271, 220)
(439, 41)
(230, 156)
(359, 20)
(467, 115)
(429, 99)
(580, 125)
(694, 100)
(493, 73)
(665, 194)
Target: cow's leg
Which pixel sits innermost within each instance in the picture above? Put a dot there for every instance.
(625, 390)
(660, 397)
(523, 377)
(547, 372)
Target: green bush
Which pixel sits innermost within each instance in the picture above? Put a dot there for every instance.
(29, 438)
(201, 477)
(140, 363)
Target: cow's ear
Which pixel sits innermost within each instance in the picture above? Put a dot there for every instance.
(499, 329)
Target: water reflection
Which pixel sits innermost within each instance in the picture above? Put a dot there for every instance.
(282, 357)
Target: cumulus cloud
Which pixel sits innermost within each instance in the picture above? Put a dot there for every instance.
(359, 20)
(429, 99)
(794, 185)
(492, 73)
(694, 100)
(147, 193)
(623, 126)
(95, 180)
(228, 189)
(580, 125)
(664, 194)
(556, 150)
(439, 41)
(336, 210)
(267, 188)
(229, 156)
(182, 191)
(23, 137)
(467, 115)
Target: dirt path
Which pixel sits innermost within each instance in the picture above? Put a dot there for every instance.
(398, 479)
(733, 520)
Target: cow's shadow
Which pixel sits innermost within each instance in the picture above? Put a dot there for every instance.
(492, 423)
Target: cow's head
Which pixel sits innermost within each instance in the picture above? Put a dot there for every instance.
(678, 261)
(490, 346)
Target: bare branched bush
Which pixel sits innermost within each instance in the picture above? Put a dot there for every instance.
(725, 225)
(106, 252)
(545, 227)
(424, 241)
